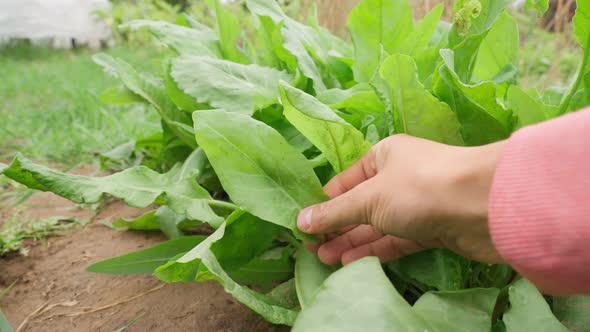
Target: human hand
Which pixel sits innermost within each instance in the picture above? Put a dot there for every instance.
(406, 195)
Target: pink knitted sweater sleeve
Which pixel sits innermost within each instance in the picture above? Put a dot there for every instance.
(539, 212)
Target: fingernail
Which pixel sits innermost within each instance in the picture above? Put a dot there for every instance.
(304, 219)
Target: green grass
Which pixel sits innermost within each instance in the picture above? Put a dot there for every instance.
(16, 229)
(17, 226)
(546, 59)
(49, 108)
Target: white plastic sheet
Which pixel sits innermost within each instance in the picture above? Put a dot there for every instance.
(59, 21)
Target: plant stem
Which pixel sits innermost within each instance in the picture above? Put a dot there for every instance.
(319, 161)
(291, 239)
(223, 204)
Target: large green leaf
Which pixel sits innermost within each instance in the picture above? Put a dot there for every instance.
(459, 311)
(375, 25)
(359, 297)
(137, 187)
(148, 260)
(438, 268)
(4, 324)
(360, 98)
(310, 273)
(263, 305)
(243, 252)
(203, 255)
(229, 34)
(227, 85)
(265, 270)
(257, 167)
(173, 271)
(275, 118)
(269, 50)
(360, 105)
(180, 98)
(418, 40)
(527, 109)
(168, 221)
(340, 142)
(245, 237)
(498, 50)
(294, 52)
(483, 119)
(163, 219)
(356, 105)
(154, 92)
(186, 266)
(573, 312)
(287, 40)
(119, 95)
(528, 310)
(416, 111)
(286, 295)
(428, 59)
(181, 39)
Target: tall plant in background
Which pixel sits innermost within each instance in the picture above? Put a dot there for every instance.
(267, 119)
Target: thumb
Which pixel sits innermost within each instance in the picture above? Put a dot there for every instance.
(350, 208)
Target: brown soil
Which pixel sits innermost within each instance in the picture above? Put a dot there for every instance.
(54, 293)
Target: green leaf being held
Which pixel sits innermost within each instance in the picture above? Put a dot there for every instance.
(257, 167)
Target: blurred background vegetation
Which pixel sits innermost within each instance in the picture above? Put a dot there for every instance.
(49, 99)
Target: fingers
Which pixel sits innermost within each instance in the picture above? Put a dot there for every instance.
(313, 247)
(331, 252)
(387, 248)
(324, 218)
(351, 177)
(350, 208)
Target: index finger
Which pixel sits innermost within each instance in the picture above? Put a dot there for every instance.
(351, 177)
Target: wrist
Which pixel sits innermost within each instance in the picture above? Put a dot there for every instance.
(468, 194)
(476, 178)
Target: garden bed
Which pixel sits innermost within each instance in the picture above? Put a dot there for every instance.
(57, 294)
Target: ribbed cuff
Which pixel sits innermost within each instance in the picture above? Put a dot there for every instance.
(539, 210)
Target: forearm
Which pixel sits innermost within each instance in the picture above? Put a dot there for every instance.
(539, 210)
